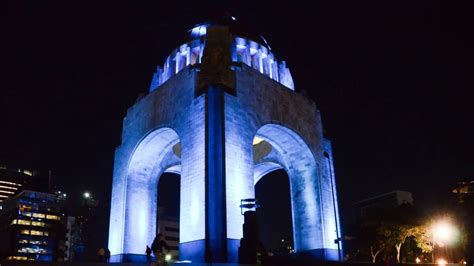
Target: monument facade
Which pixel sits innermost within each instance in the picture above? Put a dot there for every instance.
(222, 112)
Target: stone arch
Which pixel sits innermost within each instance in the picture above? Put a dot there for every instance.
(262, 169)
(152, 156)
(290, 152)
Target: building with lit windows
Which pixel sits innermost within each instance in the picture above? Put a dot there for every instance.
(369, 209)
(464, 188)
(13, 182)
(30, 227)
(168, 226)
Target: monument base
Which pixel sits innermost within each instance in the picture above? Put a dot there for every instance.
(128, 258)
(325, 254)
(194, 251)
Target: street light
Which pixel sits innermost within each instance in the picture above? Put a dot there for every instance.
(442, 262)
(443, 233)
(87, 195)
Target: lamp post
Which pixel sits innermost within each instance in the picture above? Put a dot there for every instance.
(248, 204)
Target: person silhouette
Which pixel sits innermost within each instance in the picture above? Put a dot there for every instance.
(148, 253)
(160, 248)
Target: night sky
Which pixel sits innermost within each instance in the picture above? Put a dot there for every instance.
(392, 81)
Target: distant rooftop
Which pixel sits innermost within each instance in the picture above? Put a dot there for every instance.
(3, 168)
(397, 193)
(464, 187)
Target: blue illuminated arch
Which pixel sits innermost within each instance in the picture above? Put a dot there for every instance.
(264, 168)
(151, 157)
(290, 152)
(216, 91)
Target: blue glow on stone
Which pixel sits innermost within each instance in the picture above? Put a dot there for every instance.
(239, 172)
(241, 42)
(199, 31)
(192, 203)
(134, 194)
(313, 205)
(139, 163)
(265, 40)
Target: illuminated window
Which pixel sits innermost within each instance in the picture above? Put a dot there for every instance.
(52, 217)
(23, 241)
(39, 215)
(25, 207)
(32, 250)
(37, 242)
(37, 233)
(14, 188)
(3, 196)
(26, 214)
(35, 223)
(26, 172)
(24, 222)
(7, 192)
(10, 183)
(17, 258)
(25, 232)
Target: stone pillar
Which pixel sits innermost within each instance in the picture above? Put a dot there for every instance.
(216, 235)
(214, 80)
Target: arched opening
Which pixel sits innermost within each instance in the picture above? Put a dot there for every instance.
(277, 147)
(157, 154)
(274, 215)
(168, 210)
